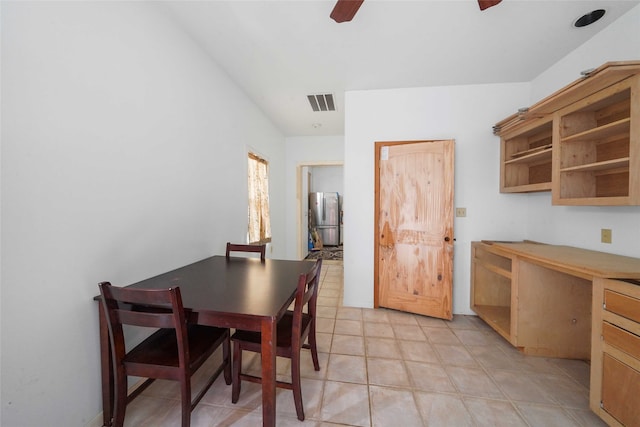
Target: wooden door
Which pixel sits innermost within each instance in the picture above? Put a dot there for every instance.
(414, 227)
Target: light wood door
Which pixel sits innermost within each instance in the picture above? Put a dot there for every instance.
(414, 227)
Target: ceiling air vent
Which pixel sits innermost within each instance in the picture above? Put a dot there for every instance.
(322, 102)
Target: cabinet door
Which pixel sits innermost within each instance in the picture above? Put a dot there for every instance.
(621, 391)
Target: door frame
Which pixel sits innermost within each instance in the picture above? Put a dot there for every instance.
(376, 214)
(301, 227)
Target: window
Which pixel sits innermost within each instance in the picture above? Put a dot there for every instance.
(259, 219)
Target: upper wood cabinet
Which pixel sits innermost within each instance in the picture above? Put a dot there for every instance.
(582, 142)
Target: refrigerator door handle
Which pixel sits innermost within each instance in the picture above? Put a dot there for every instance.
(324, 209)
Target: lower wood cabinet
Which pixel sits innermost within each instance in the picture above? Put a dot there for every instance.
(615, 352)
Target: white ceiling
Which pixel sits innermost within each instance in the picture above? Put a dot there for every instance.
(280, 51)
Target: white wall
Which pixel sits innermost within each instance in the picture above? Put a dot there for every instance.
(463, 113)
(580, 225)
(327, 179)
(121, 144)
(301, 151)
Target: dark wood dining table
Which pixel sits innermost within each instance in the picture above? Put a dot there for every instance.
(242, 293)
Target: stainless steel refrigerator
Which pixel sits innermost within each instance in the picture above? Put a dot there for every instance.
(324, 209)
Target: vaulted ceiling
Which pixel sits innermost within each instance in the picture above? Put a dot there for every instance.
(279, 52)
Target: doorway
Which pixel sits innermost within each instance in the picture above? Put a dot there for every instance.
(315, 177)
(413, 269)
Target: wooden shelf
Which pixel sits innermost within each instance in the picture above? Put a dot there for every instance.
(618, 128)
(528, 188)
(536, 155)
(619, 165)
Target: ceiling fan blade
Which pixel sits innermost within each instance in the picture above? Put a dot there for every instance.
(486, 4)
(345, 10)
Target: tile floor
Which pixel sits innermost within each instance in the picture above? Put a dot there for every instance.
(385, 368)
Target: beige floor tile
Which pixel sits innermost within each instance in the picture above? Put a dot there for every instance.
(443, 410)
(456, 355)
(471, 336)
(375, 329)
(348, 344)
(401, 318)
(462, 322)
(307, 370)
(431, 322)
(349, 313)
(346, 404)
(329, 292)
(382, 347)
(493, 413)
(346, 368)
(473, 382)
(520, 386)
(387, 372)
(324, 311)
(325, 325)
(393, 407)
(408, 332)
(429, 377)
(546, 416)
(312, 391)
(419, 351)
(586, 418)
(348, 327)
(149, 412)
(440, 335)
(323, 341)
(327, 301)
(375, 315)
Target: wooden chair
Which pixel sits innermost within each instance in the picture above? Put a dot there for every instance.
(233, 247)
(174, 352)
(293, 329)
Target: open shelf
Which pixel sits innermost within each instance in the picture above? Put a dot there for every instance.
(597, 149)
(619, 128)
(526, 155)
(582, 143)
(618, 165)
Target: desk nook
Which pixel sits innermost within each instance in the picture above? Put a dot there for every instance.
(561, 301)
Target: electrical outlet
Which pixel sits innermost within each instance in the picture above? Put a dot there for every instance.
(460, 212)
(605, 235)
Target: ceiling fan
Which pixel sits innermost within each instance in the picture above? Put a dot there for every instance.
(345, 10)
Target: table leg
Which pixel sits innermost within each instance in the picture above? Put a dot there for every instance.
(106, 368)
(269, 372)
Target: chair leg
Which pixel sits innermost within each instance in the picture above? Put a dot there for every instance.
(314, 348)
(226, 356)
(185, 391)
(236, 367)
(120, 401)
(296, 385)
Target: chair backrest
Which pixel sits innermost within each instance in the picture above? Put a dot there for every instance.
(153, 308)
(306, 295)
(234, 247)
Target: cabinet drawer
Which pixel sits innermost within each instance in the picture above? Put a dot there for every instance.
(622, 305)
(621, 391)
(621, 339)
